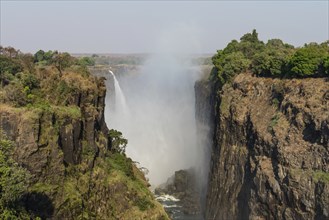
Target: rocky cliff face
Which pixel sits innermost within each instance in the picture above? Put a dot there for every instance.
(204, 114)
(270, 156)
(67, 150)
(183, 185)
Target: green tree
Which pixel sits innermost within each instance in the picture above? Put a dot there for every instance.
(236, 57)
(86, 61)
(233, 46)
(234, 63)
(39, 56)
(278, 44)
(10, 52)
(273, 59)
(30, 80)
(62, 61)
(326, 65)
(27, 61)
(44, 57)
(119, 143)
(307, 60)
(48, 56)
(9, 67)
(250, 37)
(250, 44)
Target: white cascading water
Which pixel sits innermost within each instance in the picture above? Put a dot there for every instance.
(160, 123)
(120, 100)
(118, 110)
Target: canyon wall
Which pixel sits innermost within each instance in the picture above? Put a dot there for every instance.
(270, 154)
(67, 150)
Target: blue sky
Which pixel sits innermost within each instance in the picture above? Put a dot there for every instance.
(139, 26)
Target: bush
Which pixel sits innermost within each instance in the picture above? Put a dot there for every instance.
(13, 182)
(10, 65)
(120, 162)
(15, 94)
(86, 61)
(44, 58)
(119, 143)
(30, 81)
(143, 203)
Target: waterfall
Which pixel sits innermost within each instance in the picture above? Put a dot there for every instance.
(160, 121)
(120, 100)
(118, 109)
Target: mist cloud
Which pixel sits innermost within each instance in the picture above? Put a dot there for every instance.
(160, 126)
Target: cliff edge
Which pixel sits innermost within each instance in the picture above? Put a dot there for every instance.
(57, 157)
(270, 157)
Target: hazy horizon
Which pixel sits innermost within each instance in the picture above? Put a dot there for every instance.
(129, 27)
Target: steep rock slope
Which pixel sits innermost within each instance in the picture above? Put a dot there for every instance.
(270, 157)
(67, 150)
(204, 114)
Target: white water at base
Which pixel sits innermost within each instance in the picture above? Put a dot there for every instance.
(174, 209)
(165, 198)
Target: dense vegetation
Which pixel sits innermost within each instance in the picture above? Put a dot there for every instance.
(52, 91)
(13, 184)
(271, 59)
(27, 79)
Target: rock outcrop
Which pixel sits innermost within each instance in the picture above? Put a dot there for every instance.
(67, 151)
(183, 185)
(270, 156)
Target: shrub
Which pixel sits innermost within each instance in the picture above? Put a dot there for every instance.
(15, 94)
(274, 122)
(13, 182)
(119, 143)
(30, 80)
(143, 203)
(120, 162)
(10, 65)
(86, 61)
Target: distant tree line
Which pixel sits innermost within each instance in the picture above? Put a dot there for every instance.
(61, 60)
(272, 59)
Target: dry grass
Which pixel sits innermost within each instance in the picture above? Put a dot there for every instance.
(78, 81)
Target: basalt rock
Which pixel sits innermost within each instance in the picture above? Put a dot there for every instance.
(75, 173)
(270, 156)
(183, 185)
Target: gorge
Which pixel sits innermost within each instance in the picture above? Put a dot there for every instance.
(246, 137)
(270, 159)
